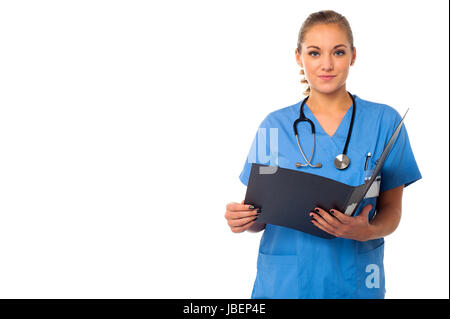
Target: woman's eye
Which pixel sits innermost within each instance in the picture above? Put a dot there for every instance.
(315, 53)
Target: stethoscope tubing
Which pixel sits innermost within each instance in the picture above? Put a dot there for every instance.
(302, 118)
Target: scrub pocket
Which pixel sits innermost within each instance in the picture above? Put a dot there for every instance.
(370, 269)
(277, 277)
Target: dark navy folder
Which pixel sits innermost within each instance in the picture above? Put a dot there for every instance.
(286, 197)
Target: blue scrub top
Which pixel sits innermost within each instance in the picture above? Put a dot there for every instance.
(293, 264)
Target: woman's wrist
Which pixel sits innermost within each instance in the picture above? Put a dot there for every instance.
(373, 232)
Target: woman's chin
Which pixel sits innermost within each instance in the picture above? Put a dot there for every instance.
(327, 89)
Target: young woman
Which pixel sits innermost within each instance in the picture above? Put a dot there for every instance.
(293, 264)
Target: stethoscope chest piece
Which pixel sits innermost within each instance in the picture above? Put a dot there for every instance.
(341, 161)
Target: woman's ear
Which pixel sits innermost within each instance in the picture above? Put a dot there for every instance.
(298, 58)
(353, 57)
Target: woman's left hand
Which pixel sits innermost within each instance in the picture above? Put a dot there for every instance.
(341, 225)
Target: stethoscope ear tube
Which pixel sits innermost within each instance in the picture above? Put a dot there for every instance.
(304, 119)
(349, 134)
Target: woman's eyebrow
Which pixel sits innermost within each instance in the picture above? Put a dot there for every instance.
(336, 46)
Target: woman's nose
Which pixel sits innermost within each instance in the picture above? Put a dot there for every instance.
(327, 64)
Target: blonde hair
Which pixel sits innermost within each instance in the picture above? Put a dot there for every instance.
(322, 17)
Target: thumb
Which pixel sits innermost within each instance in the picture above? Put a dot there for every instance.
(242, 202)
(365, 211)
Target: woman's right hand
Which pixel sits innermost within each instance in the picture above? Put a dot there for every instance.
(240, 217)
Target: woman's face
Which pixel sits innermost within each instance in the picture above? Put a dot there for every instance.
(326, 51)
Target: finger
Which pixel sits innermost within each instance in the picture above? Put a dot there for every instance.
(241, 221)
(322, 222)
(324, 228)
(365, 211)
(240, 229)
(344, 219)
(241, 214)
(236, 211)
(239, 207)
(326, 216)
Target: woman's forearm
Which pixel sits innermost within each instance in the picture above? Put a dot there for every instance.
(385, 221)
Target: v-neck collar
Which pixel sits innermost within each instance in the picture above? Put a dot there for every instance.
(343, 125)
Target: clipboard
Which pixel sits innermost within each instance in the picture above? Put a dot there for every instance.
(286, 197)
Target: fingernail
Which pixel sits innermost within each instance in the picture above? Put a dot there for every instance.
(316, 210)
(331, 211)
(258, 210)
(251, 207)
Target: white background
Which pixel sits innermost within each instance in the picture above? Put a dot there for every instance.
(124, 126)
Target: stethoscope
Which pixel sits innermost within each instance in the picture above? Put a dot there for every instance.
(341, 161)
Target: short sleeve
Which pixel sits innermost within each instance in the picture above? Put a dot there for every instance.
(400, 167)
(263, 149)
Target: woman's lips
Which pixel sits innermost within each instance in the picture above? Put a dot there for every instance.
(327, 77)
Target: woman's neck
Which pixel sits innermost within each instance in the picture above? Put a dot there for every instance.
(336, 102)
